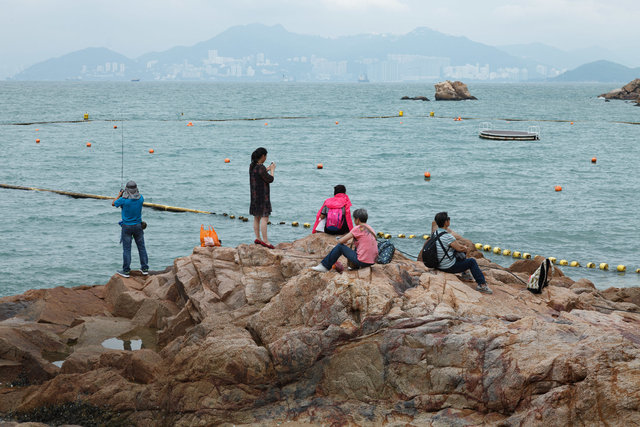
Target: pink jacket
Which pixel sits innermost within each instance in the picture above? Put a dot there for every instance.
(336, 202)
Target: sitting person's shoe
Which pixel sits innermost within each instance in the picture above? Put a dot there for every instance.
(123, 273)
(321, 268)
(467, 277)
(484, 289)
(145, 272)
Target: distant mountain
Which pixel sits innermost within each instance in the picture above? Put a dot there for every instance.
(259, 52)
(600, 71)
(86, 63)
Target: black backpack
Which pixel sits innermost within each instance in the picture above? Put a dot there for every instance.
(540, 278)
(430, 251)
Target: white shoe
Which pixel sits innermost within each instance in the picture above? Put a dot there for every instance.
(321, 268)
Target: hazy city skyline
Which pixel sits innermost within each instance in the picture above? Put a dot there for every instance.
(35, 30)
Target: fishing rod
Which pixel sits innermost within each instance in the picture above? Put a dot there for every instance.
(122, 152)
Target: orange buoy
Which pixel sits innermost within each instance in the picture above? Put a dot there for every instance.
(265, 123)
(400, 122)
(319, 166)
(88, 144)
(427, 175)
(558, 188)
(190, 124)
(571, 122)
(37, 141)
(115, 127)
(593, 160)
(151, 150)
(227, 160)
(337, 122)
(37, 130)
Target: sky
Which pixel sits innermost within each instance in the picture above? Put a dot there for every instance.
(35, 30)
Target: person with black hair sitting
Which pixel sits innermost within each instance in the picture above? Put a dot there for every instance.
(334, 217)
(452, 253)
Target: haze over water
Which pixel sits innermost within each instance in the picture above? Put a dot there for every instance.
(497, 192)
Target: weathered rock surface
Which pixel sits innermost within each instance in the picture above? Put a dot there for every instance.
(452, 91)
(414, 98)
(630, 91)
(253, 336)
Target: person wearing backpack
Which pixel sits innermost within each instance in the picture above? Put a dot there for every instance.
(366, 245)
(130, 201)
(451, 253)
(334, 217)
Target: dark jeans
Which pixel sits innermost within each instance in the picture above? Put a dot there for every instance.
(339, 250)
(135, 231)
(467, 264)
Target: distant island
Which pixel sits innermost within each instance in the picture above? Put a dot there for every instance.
(263, 53)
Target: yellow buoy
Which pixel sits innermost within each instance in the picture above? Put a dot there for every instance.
(497, 250)
(621, 268)
(552, 259)
(574, 264)
(478, 245)
(591, 265)
(516, 254)
(232, 216)
(431, 114)
(401, 236)
(387, 236)
(401, 113)
(604, 266)
(295, 224)
(526, 255)
(563, 262)
(412, 236)
(486, 248)
(506, 252)
(86, 116)
(637, 270)
(425, 236)
(380, 234)
(306, 225)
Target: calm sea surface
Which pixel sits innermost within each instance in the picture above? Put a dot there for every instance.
(496, 192)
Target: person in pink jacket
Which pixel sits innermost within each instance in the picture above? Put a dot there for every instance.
(334, 217)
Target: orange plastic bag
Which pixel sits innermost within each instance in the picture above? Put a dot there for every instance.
(208, 236)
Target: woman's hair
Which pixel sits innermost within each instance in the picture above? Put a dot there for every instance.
(257, 154)
(361, 214)
(339, 189)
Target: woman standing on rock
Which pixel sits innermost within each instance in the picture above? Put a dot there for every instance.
(259, 178)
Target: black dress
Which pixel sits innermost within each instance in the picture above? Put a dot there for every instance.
(260, 179)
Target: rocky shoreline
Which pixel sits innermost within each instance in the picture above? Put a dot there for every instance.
(247, 335)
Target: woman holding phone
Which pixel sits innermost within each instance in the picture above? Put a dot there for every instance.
(259, 178)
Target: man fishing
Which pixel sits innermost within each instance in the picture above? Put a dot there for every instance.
(130, 201)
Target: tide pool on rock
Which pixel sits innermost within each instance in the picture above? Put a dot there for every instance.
(252, 335)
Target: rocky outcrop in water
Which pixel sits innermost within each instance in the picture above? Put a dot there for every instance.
(414, 98)
(630, 91)
(452, 91)
(251, 335)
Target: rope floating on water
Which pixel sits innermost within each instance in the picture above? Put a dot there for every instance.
(487, 248)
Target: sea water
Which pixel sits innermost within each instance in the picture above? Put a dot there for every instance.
(499, 193)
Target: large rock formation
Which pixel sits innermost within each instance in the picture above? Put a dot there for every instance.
(630, 91)
(249, 335)
(452, 91)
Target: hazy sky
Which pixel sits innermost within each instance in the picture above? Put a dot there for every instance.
(35, 30)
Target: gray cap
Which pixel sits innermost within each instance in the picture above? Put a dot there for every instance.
(131, 191)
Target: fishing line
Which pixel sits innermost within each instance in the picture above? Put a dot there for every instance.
(122, 154)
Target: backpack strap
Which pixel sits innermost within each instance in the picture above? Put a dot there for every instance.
(446, 253)
(369, 230)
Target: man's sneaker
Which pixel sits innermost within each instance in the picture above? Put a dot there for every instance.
(123, 273)
(484, 289)
(321, 268)
(466, 276)
(145, 272)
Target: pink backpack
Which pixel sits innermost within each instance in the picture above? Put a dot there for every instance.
(335, 219)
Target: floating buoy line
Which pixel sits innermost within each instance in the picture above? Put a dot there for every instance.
(483, 247)
(391, 116)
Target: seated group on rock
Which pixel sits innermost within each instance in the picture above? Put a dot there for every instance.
(334, 218)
